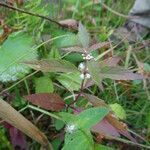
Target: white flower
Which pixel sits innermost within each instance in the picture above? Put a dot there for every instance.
(87, 76)
(87, 56)
(81, 66)
(70, 128)
(82, 76)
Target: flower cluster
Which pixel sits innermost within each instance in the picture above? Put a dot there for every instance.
(70, 128)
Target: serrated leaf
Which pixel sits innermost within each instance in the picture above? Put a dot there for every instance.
(16, 48)
(47, 101)
(52, 65)
(89, 117)
(116, 73)
(10, 115)
(44, 85)
(71, 81)
(78, 140)
(94, 72)
(83, 35)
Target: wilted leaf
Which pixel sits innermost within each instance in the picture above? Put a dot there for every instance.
(47, 101)
(10, 115)
(44, 85)
(71, 23)
(52, 65)
(71, 81)
(83, 35)
(105, 129)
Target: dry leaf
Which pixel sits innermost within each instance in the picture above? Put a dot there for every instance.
(10, 115)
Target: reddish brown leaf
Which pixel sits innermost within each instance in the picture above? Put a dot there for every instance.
(112, 121)
(71, 23)
(74, 49)
(112, 61)
(105, 128)
(47, 101)
(98, 46)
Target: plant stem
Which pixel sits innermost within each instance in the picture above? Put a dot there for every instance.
(44, 112)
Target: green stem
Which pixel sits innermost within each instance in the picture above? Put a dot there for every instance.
(44, 112)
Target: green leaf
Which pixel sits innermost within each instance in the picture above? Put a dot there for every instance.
(58, 124)
(52, 65)
(94, 72)
(16, 48)
(78, 140)
(71, 81)
(83, 36)
(67, 117)
(44, 85)
(103, 71)
(102, 147)
(118, 110)
(90, 117)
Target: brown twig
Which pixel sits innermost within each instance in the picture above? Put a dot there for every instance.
(31, 13)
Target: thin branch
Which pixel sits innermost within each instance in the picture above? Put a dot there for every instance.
(31, 13)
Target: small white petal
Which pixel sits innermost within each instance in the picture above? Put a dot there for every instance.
(82, 76)
(88, 76)
(70, 128)
(81, 66)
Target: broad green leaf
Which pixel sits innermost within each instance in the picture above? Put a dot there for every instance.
(59, 124)
(94, 72)
(118, 110)
(90, 117)
(83, 35)
(16, 48)
(44, 85)
(74, 57)
(67, 117)
(102, 147)
(78, 140)
(10, 115)
(52, 65)
(71, 81)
